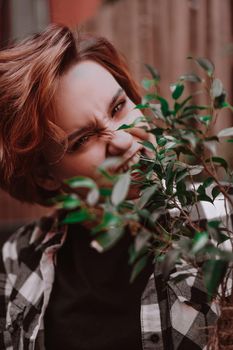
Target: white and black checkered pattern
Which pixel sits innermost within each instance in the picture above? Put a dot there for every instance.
(173, 316)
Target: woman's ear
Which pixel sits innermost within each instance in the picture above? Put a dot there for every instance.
(48, 183)
(46, 180)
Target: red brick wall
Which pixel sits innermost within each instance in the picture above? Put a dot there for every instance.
(159, 32)
(72, 12)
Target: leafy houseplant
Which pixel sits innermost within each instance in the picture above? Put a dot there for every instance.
(181, 173)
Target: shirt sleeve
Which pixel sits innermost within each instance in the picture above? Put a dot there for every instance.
(9, 265)
(3, 298)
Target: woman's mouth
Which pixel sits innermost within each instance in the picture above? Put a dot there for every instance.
(127, 165)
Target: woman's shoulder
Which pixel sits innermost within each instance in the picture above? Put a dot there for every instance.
(28, 237)
(32, 231)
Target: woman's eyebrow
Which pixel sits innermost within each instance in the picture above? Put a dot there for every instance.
(88, 128)
(79, 132)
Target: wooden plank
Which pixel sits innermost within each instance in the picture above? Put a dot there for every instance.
(162, 33)
(72, 12)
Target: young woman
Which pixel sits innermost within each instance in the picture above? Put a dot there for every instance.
(62, 100)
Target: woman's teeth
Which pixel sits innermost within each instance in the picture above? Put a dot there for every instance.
(131, 162)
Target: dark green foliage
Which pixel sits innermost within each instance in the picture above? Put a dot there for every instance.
(178, 91)
(181, 172)
(77, 216)
(214, 272)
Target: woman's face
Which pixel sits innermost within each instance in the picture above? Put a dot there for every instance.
(91, 107)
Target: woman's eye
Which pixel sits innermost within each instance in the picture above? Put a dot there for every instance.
(79, 143)
(118, 107)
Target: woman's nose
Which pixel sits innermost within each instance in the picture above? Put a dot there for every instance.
(120, 142)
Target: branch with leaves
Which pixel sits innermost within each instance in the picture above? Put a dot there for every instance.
(181, 173)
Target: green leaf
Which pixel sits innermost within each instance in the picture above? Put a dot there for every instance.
(132, 125)
(191, 77)
(106, 240)
(71, 202)
(214, 272)
(183, 103)
(142, 106)
(121, 189)
(196, 108)
(220, 101)
(205, 64)
(147, 84)
(158, 169)
(161, 141)
(66, 201)
(145, 196)
(218, 160)
(93, 196)
(227, 105)
(205, 119)
(211, 145)
(214, 231)
(195, 169)
(201, 189)
(148, 98)
(148, 145)
(214, 224)
(215, 192)
(199, 241)
(178, 91)
(225, 255)
(145, 216)
(80, 181)
(219, 237)
(138, 267)
(181, 174)
(170, 145)
(216, 88)
(211, 138)
(208, 182)
(105, 192)
(157, 131)
(204, 198)
(225, 132)
(164, 105)
(109, 221)
(109, 163)
(134, 255)
(125, 126)
(153, 71)
(77, 216)
(170, 174)
(177, 107)
(181, 192)
(169, 262)
(141, 240)
(180, 277)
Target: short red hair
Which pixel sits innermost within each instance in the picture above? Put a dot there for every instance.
(29, 75)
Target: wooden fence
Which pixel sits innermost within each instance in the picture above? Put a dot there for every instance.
(162, 33)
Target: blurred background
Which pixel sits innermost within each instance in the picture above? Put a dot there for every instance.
(159, 32)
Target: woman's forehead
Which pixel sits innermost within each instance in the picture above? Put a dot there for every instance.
(86, 89)
(87, 74)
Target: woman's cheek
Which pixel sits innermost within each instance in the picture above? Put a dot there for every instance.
(82, 164)
(133, 113)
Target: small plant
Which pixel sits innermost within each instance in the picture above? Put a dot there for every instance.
(181, 173)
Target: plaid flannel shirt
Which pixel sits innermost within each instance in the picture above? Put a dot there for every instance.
(173, 316)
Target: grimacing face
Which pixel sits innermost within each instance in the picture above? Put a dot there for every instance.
(91, 106)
